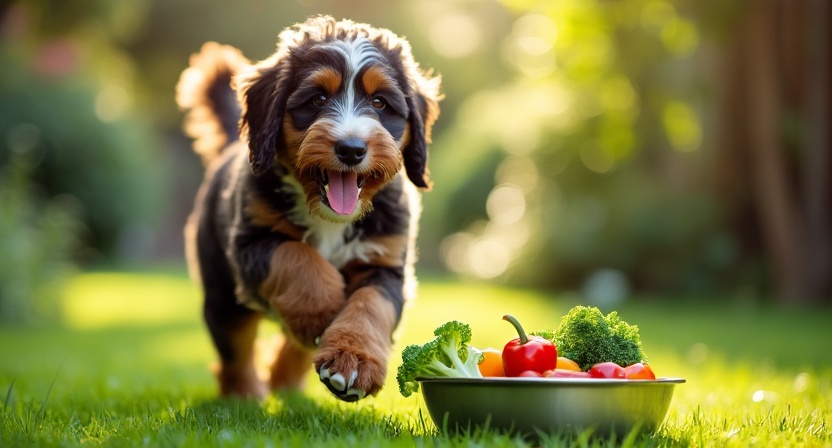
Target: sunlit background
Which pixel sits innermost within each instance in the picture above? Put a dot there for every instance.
(614, 149)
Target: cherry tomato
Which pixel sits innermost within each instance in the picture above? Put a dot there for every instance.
(607, 370)
(563, 373)
(531, 373)
(492, 363)
(639, 371)
(567, 364)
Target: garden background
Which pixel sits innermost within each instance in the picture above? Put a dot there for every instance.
(666, 157)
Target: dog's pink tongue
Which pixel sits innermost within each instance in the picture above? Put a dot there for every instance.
(343, 191)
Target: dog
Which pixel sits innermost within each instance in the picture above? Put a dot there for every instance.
(315, 160)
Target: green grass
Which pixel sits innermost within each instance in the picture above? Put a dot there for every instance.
(130, 367)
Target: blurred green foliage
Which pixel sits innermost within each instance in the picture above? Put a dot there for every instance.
(82, 177)
(590, 157)
(66, 89)
(576, 136)
(38, 237)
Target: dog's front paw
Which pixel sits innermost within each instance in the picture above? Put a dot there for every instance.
(349, 366)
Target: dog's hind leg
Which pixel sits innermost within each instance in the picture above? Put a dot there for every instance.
(233, 327)
(233, 330)
(291, 366)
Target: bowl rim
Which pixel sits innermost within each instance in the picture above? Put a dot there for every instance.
(549, 381)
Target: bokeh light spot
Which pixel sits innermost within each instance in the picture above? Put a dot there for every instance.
(682, 126)
(111, 103)
(506, 204)
(680, 37)
(455, 249)
(617, 94)
(535, 34)
(520, 171)
(455, 35)
(596, 158)
(488, 258)
(801, 382)
(656, 14)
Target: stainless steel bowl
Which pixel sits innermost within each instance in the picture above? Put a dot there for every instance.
(529, 405)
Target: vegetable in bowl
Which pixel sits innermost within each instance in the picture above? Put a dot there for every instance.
(564, 395)
(447, 355)
(588, 337)
(591, 345)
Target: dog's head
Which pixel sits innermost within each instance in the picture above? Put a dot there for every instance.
(343, 107)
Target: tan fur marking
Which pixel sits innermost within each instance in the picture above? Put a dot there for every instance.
(405, 138)
(384, 160)
(395, 249)
(238, 376)
(375, 79)
(394, 256)
(293, 138)
(291, 366)
(264, 216)
(360, 335)
(304, 289)
(328, 78)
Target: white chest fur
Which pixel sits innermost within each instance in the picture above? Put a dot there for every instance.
(337, 245)
(336, 242)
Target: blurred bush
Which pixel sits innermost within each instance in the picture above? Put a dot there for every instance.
(649, 145)
(567, 165)
(38, 239)
(73, 94)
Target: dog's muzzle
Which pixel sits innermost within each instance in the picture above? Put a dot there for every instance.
(350, 151)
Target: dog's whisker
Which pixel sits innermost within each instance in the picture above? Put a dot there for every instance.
(358, 105)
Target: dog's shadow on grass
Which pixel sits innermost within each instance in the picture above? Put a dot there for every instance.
(288, 415)
(296, 416)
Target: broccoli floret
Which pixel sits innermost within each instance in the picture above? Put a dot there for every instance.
(588, 337)
(448, 355)
(549, 335)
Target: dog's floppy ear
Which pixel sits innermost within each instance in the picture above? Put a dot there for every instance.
(263, 91)
(424, 109)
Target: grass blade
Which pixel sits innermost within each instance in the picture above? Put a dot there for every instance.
(9, 394)
(42, 411)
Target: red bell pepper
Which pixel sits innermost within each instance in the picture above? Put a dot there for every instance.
(528, 353)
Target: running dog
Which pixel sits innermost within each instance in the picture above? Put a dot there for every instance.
(314, 160)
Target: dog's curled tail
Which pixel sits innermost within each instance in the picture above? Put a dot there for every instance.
(205, 92)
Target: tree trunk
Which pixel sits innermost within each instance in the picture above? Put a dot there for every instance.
(775, 198)
(816, 160)
(775, 143)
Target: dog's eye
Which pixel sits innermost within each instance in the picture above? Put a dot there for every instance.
(319, 100)
(378, 103)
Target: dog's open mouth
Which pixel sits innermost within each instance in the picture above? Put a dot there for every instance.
(340, 189)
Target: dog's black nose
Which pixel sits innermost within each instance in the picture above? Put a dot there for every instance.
(350, 151)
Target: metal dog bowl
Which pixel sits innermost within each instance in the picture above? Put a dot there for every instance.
(528, 405)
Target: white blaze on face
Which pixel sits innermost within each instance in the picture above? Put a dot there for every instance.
(358, 54)
(342, 189)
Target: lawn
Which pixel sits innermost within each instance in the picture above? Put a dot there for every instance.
(129, 367)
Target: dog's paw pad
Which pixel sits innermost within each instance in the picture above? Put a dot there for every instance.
(340, 386)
